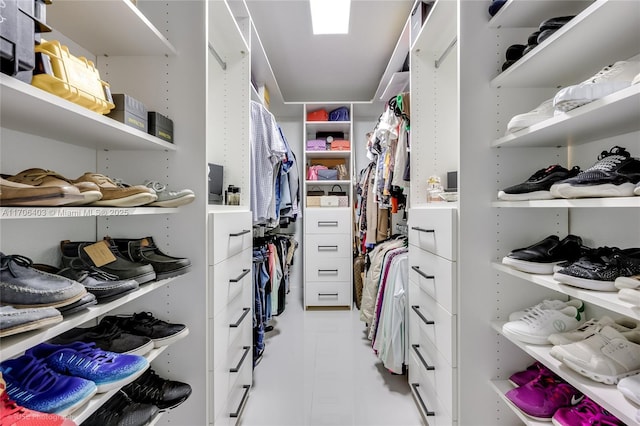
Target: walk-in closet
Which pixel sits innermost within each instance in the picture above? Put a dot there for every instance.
(233, 213)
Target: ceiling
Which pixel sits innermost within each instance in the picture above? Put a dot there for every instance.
(324, 68)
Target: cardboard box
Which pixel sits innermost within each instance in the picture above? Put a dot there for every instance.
(160, 126)
(130, 111)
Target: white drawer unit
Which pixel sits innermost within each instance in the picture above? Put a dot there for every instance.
(435, 275)
(230, 307)
(328, 259)
(434, 229)
(426, 397)
(230, 232)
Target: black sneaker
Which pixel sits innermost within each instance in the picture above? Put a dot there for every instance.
(541, 257)
(600, 268)
(152, 389)
(107, 337)
(537, 187)
(145, 324)
(105, 286)
(122, 268)
(615, 174)
(144, 250)
(120, 410)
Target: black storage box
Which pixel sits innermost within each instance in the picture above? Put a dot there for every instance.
(17, 35)
(160, 126)
(129, 111)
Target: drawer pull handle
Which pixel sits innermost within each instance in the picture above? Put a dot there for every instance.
(417, 228)
(327, 248)
(327, 294)
(238, 234)
(424, 407)
(422, 274)
(244, 314)
(327, 223)
(422, 360)
(416, 308)
(244, 356)
(243, 401)
(328, 271)
(242, 275)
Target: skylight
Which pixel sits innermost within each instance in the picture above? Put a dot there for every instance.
(330, 16)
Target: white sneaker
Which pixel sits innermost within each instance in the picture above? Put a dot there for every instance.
(539, 114)
(627, 282)
(539, 324)
(607, 81)
(630, 295)
(636, 79)
(606, 357)
(167, 198)
(589, 328)
(549, 304)
(637, 190)
(630, 387)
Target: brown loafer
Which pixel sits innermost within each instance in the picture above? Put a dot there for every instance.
(43, 178)
(118, 194)
(22, 195)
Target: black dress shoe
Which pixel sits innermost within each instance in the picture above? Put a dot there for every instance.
(119, 266)
(144, 250)
(541, 257)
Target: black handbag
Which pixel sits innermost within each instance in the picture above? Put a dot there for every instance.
(340, 193)
(316, 192)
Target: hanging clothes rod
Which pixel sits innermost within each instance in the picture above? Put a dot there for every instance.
(222, 63)
(446, 52)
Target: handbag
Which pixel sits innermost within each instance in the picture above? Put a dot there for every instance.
(342, 172)
(340, 192)
(316, 145)
(318, 115)
(327, 174)
(340, 145)
(339, 114)
(315, 192)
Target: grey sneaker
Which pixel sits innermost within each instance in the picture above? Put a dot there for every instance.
(120, 267)
(14, 321)
(168, 198)
(25, 287)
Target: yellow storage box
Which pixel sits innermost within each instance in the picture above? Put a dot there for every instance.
(73, 78)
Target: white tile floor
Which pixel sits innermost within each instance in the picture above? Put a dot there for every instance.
(319, 369)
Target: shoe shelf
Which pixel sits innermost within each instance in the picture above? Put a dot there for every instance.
(606, 299)
(94, 22)
(19, 343)
(19, 100)
(581, 39)
(612, 115)
(573, 203)
(526, 13)
(607, 396)
(501, 387)
(99, 399)
(77, 212)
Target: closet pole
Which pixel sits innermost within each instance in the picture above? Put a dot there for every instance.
(222, 63)
(446, 52)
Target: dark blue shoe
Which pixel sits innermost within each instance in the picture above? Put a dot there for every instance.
(495, 6)
(33, 385)
(108, 370)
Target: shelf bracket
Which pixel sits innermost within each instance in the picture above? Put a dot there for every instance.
(222, 63)
(446, 52)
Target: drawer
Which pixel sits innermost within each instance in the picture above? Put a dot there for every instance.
(233, 326)
(425, 396)
(327, 221)
(230, 279)
(327, 246)
(226, 382)
(328, 294)
(238, 397)
(439, 326)
(437, 372)
(434, 230)
(229, 233)
(322, 269)
(435, 275)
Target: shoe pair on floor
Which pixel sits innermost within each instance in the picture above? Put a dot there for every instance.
(615, 174)
(574, 264)
(607, 81)
(41, 187)
(542, 395)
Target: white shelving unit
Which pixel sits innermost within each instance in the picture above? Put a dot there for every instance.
(460, 109)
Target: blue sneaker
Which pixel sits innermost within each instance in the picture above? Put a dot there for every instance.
(33, 385)
(108, 370)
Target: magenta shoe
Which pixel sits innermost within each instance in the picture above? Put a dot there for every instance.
(533, 371)
(543, 396)
(586, 413)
